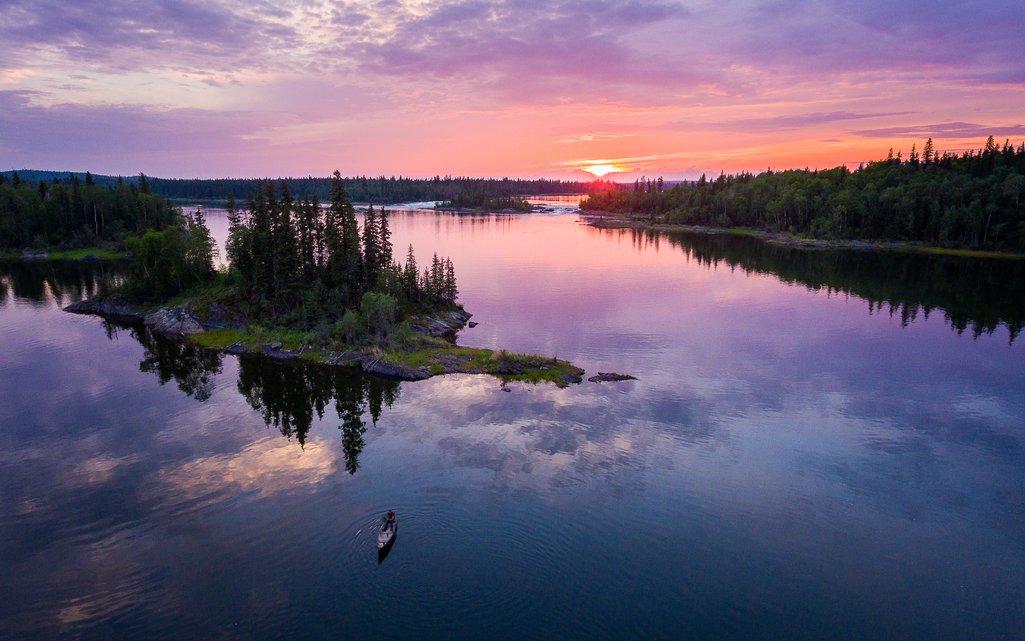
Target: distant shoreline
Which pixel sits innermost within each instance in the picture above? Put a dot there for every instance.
(611, 220)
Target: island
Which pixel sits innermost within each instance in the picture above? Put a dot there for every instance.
(304, 282)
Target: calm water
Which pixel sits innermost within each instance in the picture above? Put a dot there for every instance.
(819, 446)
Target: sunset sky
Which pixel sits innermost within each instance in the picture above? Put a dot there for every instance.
(507, 88)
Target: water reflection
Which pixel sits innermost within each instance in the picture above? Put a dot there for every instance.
(192, 368)
(785, 466)
(59, 282)
(288, 395)
(976, 294)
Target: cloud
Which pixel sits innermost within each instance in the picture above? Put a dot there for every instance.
(57, 136)
(944, 130)
(518, 48)
(593, 137)
(788, 121)
(919, 36)
(123, 35)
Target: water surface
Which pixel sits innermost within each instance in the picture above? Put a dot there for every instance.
(819, 445)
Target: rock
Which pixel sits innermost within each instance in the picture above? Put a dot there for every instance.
(173, 321)
(473, 324)
(606, 377)
(275, 346)
(444, 325)
(394, 370)
(110, 308)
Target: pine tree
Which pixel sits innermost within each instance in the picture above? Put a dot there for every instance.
(262, 241)
(342, 243)
(286, 252)
(410, 276)
(451, 292)
(371, 252)
(384, 239)
(238, 246)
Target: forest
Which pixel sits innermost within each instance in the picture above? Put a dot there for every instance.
(75, 213)
(973, 200)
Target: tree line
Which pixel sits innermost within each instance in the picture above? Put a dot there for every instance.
(379, 189)
(975, 199)
(74, 213)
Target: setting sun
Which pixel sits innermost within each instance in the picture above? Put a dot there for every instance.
(601, 170)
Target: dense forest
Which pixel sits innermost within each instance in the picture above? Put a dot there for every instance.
(975, 199)
(362, 189)
(300, 265)
(77, 213)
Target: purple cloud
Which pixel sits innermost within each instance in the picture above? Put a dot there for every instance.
(787, 122)
(879, 35)
(109, 138)
(944, 130)
(520, 48)
(162, 34)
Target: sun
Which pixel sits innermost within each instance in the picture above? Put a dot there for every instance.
(601, 170)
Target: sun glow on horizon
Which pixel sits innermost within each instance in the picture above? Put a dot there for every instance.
(602, 170)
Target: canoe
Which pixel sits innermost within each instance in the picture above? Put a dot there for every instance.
(386, 534)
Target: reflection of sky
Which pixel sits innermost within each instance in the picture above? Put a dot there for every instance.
(813, 467)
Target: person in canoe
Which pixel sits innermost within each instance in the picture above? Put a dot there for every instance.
(389, 521)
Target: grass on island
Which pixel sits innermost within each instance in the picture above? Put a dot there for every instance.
(966, 253)
(252, 338)
(82, 253)
(86, 252)
(432, 355)
(528, 368)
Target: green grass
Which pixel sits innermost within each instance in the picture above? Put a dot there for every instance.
(290, 339)
(220, 338)
(529, 368)
(966, 253)
(85, 252)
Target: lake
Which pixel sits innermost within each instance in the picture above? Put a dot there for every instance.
(819, 445)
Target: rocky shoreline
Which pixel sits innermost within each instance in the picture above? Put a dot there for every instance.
(179, 323)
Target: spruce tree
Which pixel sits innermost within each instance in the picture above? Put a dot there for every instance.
(371, 252)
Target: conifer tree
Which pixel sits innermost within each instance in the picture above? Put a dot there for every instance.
(286, 252)
(371, 252)
(384, 239)
(411, 275)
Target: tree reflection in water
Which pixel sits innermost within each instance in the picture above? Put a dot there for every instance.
(973, 294)
(192, 368)
(288, 395)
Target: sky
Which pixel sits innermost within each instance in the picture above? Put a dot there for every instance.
(520, 88)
